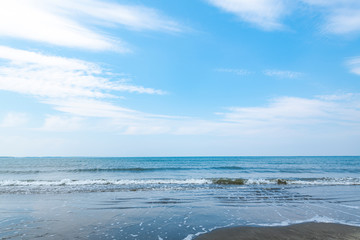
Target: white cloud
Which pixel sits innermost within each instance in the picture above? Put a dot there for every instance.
(269, 72)
(354, 65)
(57, 22)
(265, 14)
(336, 97)
(340, 17)
(344, 21)
(83, 92)
(78, 88)
(283, 116)
(57, 77)
(329, 3)
(22, 57)
(92, 108)
(14, 119)
(289, 112)
(282, 74)
(285, 126)
(31, 20)
(241, 72)
(282, 109)
(134, 17)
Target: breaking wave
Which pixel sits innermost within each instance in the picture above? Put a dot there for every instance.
(200, 181)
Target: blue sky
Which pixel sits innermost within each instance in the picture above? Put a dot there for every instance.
(179, 78)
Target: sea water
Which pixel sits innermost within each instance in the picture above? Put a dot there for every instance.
(171, 197)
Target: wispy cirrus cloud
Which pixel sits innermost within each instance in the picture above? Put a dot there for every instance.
(86, 107)
(282, 73)
(284, 109)
(286, 74)
(292, 112)
(265, 14)
(337, 113)
(354, 65)
(282, 116)
(42, 75)
(241, 72)
(75, 87)
(340, 17)
(134, 17)
(58, 22)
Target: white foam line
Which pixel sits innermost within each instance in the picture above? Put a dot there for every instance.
(200, 181)
(69, 182)
(317, 219)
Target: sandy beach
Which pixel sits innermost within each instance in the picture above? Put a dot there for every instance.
(304, 231)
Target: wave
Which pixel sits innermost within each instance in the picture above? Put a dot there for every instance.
(130, 169)
(228, 168)
(21, 171)
(92, 170)
(200, 181)
(189, 168)
(305, 181)
(137, 169)
(69, 182)
(316, 219)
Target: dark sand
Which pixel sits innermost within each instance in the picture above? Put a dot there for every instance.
(304, 231)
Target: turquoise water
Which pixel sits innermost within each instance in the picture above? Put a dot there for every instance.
(171, 198)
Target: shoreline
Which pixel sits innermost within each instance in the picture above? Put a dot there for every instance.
(302, 231)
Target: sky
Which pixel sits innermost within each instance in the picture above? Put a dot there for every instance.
(179, 78)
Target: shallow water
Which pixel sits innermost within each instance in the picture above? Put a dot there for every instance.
(171, 198)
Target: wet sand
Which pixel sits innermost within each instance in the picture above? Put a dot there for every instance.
(303, 231)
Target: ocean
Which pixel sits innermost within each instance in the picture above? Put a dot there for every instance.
(171, 197)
